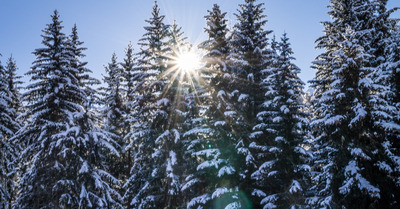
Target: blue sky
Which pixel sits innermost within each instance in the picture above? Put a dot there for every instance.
(108, 26)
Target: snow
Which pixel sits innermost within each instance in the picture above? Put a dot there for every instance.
(219, 192)
(284, 109)
(277, 119)
(209, 163)
(226, 170)
(295, 187)
(243, 97)
(267, 165)
(195, 131)
(220, 123)
(164, 102)
(258, 193)
(189, 184)
(203, 199)
(360, 112)
(208, 143)
(355, 178)
(269, 201)
(334, 120)
(272, 173)
(256, 134)
(221, 94)
(84, 168)
(234, 205)
(172, 156)
(177, 135)
(231, 114)
(208, 152)
(357, 152)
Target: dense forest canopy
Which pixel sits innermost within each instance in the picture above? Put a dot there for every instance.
(222, 124)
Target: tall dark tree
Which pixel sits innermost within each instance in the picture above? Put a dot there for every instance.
(59, 171)
(153, 183)
(176, 40)
(114, 112)
(354, 170)
(113, 100)
(393, 66)
(128, 66)
(214, 181)
(249, 53)
(249, 57)
(9, 96)
(86, 82)
(281, 135)
(128, 70)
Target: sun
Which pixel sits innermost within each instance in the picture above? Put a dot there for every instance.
(184, 67)
(188, 61)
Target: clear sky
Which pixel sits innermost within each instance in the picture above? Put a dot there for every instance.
(108, 26)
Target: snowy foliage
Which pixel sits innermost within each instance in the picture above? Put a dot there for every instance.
(60, 138)
(237, 132)
(281, 132)
(352, 109)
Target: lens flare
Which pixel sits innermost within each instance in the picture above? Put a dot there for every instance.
(188, 61)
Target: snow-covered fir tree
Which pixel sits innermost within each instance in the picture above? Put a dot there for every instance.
(211, 140)
(83, 73)
(113, 101)
(153, 182)
(281, 135)
(128, 68)
(167, 124)
(14, 84)
(384, 45)
(249, 54)
(393, 66)
(64, 153)
(351, 114)
(9, 96)
(137, 147)
(177, 42)
(10, 99)
(249, 57)
(114, 112)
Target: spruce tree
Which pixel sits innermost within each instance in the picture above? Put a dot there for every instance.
(10, 99)
(114, 112)
(152, 183)
(351, 112)
(136, 138)
(281, 135)
(8, 126)
(128, 68)
(211, 138)
(393, 66)
(249, 57)
(113, 101)
(63, 160)
(168, 121)
(86, 82)
(249, 53)
(176, 41)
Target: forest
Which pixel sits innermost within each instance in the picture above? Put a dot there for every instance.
(230, 128)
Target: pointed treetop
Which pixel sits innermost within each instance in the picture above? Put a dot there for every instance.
(55, 17)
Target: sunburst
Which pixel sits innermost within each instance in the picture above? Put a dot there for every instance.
(185, 65)
(188, 61)
(183, 73)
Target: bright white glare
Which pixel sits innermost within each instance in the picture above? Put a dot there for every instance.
(188, 61)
